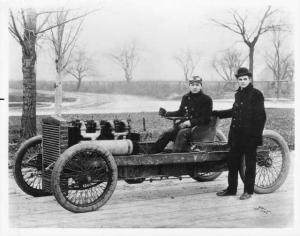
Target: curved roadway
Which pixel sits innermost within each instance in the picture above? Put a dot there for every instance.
(88, 103)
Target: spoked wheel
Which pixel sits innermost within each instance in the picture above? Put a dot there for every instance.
(84, 177)
(272, 163)
(210, 176)
(27, 168)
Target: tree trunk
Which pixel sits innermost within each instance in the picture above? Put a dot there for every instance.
(58, 88)
(277, 89)
(28, 119)
(186, 77)
(251, 59)
(59, 68)
(278, 70)
(128, 77)
(78, 84)
(58, 94)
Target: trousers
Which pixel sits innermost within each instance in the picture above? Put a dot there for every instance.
(234, 161)
(180, 137)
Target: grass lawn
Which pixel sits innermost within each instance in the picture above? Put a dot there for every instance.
(280, 120)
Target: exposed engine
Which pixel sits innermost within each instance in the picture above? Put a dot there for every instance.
(100, 130)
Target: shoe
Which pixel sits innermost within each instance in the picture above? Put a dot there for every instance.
(245, 196)
(226, 192)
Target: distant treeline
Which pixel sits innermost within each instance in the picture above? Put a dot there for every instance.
(164, 89)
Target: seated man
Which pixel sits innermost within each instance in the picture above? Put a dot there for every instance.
(196, 107)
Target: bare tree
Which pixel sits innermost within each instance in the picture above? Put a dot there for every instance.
(250, 37)
(188, 62)
(281, 64)
(63, 40)
(127, 58)
(24, 28)
(80, 67)
(227, 65)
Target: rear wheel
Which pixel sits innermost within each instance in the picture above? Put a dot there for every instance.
(210, 176)
(272, 163)
(27, 168)
(84, 177)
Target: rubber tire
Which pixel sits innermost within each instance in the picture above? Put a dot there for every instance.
(66, 156)
(285, 163)
(135, 181)
(17, 172)
(221, 137)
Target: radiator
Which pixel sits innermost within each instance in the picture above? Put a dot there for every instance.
(55, 142)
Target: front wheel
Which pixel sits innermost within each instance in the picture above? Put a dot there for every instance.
(84, 177)
(272, 163)
(210, 176)
(27, 167)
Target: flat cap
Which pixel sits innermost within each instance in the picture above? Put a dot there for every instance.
(195, 79)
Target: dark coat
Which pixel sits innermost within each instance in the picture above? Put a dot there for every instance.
(248, 118)
(196, 107)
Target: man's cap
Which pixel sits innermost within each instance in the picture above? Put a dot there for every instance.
(243, 71)
(195, 79)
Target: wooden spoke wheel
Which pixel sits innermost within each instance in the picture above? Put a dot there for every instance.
(272, 163)
(84, 177)
(27, 167)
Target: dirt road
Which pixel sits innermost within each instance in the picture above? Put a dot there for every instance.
(169, 203)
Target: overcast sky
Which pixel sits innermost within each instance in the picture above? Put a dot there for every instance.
(161, 28)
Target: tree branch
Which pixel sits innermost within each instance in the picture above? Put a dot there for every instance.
(15, 31)
(13, 34)
(23, 18)
(48, 12)
(217, 70)
(72, 19)
(267, 13)
(226, 26)
(44, 22)
(73, 40)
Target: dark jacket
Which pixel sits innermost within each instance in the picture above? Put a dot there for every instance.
(248, 117)
(197, 107)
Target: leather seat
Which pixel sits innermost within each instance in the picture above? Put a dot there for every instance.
(205, 133)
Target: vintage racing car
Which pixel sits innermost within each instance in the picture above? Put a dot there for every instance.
(80, 162)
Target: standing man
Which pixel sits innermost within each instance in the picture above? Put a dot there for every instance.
(245, 134)
(196, 107)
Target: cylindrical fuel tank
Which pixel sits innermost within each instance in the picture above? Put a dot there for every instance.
(117, 147)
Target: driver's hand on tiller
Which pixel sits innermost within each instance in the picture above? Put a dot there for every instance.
(185, 124)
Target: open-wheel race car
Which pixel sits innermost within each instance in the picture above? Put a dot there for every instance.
(80, 162)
